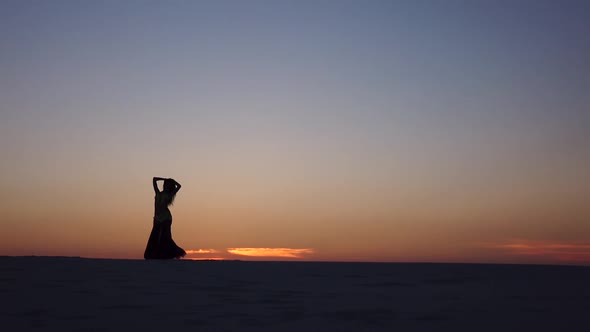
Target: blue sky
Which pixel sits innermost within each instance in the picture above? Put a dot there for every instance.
(442, 112)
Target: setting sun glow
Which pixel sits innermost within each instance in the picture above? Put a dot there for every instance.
(270, 252)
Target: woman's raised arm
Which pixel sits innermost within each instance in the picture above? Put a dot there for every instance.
(176, 185)
(155, 183)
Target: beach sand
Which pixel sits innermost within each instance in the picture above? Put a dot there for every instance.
(77, 294)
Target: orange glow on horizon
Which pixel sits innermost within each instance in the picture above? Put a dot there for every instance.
(271, 252)
(250, 252)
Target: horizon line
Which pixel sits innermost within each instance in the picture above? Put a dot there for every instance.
(573, 264)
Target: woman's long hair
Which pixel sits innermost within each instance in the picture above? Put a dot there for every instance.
(169, 190)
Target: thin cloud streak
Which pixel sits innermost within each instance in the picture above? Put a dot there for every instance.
(563, 252)
(544, 246)
(201, 251)
(271, 252)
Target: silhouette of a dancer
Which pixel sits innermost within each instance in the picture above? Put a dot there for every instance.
(160, 244)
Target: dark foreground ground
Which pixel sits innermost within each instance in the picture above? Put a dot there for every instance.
(74, 294)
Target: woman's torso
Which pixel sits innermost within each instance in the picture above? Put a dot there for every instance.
(161, 210)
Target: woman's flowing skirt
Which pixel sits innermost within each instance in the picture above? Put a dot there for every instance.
(160, 244)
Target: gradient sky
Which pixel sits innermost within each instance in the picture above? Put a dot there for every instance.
(350, 130)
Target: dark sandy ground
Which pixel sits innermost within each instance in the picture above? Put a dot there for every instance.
(76, 294)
